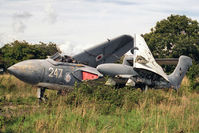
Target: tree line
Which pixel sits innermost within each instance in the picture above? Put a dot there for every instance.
(174, 36)
(17, 51)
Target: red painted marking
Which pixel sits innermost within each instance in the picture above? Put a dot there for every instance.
(99, 57)
(89, 76)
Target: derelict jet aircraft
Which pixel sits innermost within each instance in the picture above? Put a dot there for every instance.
(141, 70)
(61, 72)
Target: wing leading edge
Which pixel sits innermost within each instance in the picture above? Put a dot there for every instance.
(107, 52)
(144, 58)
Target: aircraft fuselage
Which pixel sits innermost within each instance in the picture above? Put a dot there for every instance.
(50, 74)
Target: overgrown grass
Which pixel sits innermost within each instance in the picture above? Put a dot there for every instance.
(97, 109)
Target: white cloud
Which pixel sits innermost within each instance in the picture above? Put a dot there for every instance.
(79, 24)
(5, 38)
(70, 48)
(51, 14)
(19, 21)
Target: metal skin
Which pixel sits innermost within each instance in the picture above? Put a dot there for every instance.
(50, 74)
(143, 78)
(62, 75)
(140, 70)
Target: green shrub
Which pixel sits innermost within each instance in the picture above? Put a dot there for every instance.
(193, 75)
(2, 121)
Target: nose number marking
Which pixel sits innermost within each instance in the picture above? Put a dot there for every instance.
(55, 72)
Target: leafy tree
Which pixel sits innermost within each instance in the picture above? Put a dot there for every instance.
(1, 60)
(177, 35)
(193, 75)
(16, 51)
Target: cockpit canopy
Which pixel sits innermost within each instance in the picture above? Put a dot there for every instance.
(62, 58)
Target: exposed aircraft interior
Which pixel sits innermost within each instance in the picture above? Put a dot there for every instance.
(62, 58)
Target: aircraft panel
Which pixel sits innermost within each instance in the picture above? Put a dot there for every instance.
(144, 58)
(107, 52)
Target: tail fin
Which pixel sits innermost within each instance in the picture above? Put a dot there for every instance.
(178, 74)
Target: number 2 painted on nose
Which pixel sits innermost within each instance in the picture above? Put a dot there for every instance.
(55, 72)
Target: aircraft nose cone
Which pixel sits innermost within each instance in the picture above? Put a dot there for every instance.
(29, 71)
(11, 69)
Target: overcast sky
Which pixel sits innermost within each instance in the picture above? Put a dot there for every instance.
(78, 24)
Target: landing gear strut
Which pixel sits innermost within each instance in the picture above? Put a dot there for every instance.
(40, 94)
(145, 88)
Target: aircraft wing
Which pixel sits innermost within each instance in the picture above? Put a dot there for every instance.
(144, 58)
(107, 52)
